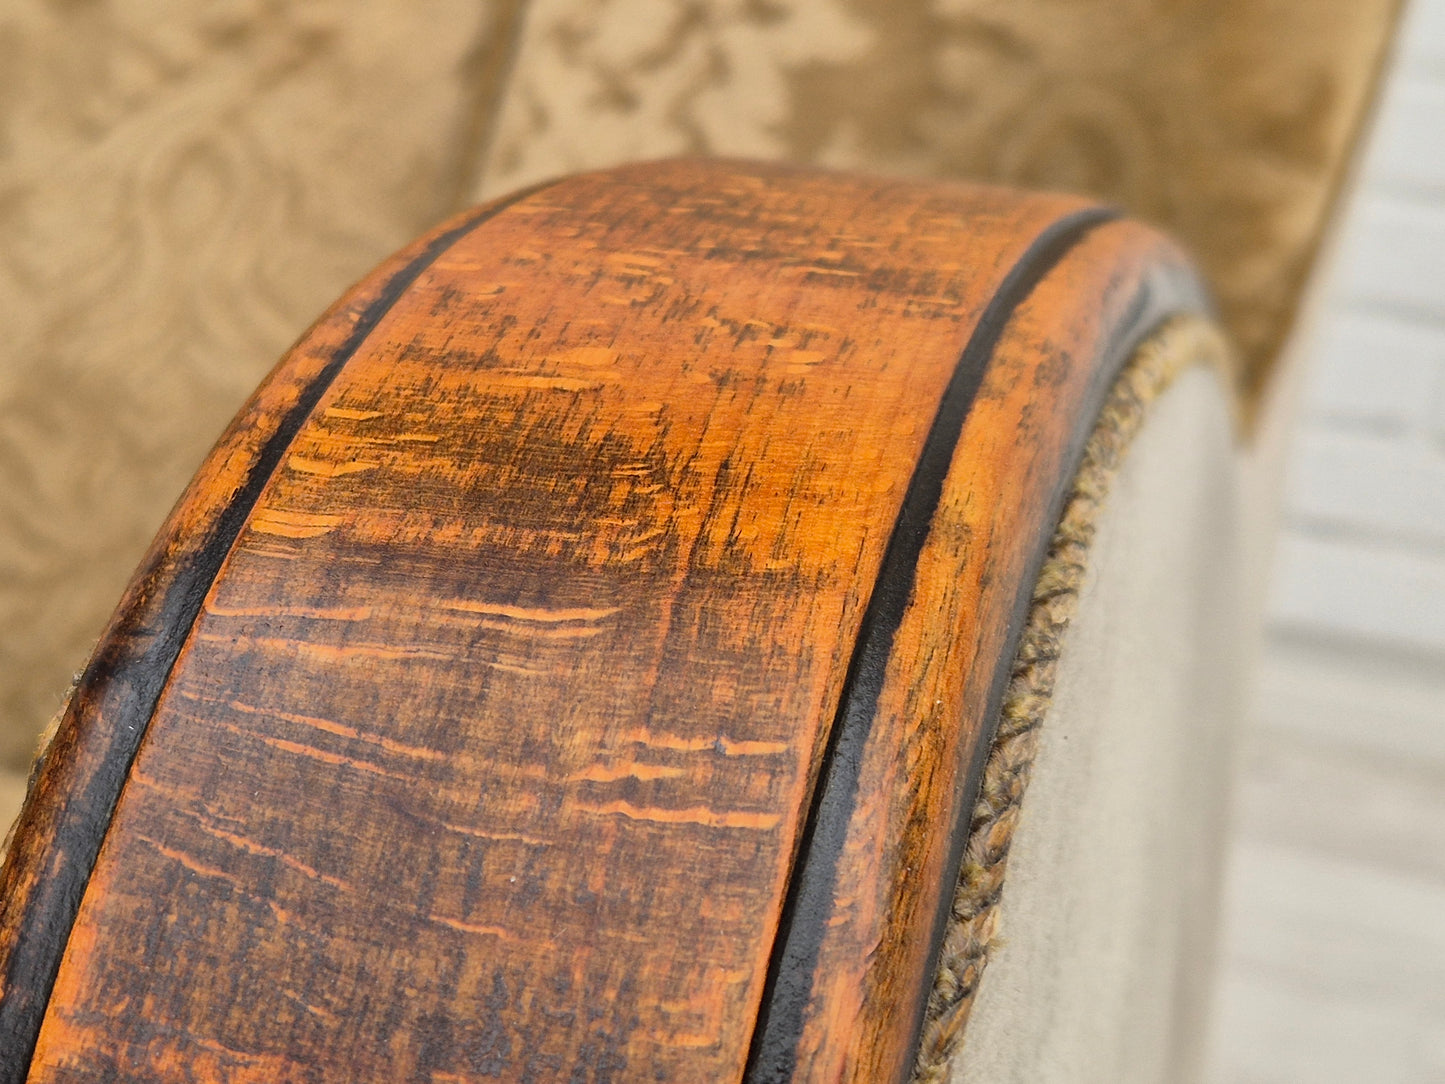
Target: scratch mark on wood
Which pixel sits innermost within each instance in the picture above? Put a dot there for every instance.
(499, 837)
(336, 759)
(600, 773)
(288, 860)
(529, 613)
(331, 651)
(330, 726)
(717, 744)
(294, 524)
(189, 862)
(474, 927)
(323, 469)
(315, 1010)
(711, 818)
(544, 383)
(319, 613)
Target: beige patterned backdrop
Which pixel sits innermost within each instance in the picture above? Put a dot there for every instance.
(184, 186)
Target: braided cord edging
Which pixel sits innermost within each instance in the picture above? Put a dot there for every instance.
(974, 921)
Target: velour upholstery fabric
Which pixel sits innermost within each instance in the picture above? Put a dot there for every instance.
(183, 186)
(1224, 121)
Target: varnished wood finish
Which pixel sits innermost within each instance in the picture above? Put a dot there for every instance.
(492, 748)
(61, 825)
(943, 680)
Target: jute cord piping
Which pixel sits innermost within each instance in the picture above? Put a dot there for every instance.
(973, 929)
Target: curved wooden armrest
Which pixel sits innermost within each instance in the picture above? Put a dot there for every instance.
(577, 661)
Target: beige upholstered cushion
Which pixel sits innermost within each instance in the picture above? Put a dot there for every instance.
(1103, 959)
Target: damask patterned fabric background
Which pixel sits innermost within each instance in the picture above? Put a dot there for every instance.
(183, 187)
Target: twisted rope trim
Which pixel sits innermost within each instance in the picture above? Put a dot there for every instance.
(974, 923)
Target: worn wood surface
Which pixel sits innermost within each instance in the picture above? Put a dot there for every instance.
(493, 748)
(944, 677)
(60, 828)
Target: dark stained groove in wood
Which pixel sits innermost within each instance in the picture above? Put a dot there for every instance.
(772, 1058)
(366, 837)
(1155, 302)
(44, 927)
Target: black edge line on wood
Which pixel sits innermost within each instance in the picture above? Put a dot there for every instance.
(1164, 294)
(137, 680)
(772, 1055)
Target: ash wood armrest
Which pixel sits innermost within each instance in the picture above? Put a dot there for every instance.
(580, 655)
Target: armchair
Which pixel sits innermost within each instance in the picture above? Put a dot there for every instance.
(862, 419)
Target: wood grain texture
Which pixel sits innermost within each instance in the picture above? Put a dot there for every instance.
(494, 743)
(60, 828)
(943, 679)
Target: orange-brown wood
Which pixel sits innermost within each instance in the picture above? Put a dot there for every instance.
(51, 847)
(492, 750)
(942, 689)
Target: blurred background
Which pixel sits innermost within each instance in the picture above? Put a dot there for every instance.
(183, 187)
(1334, 949)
